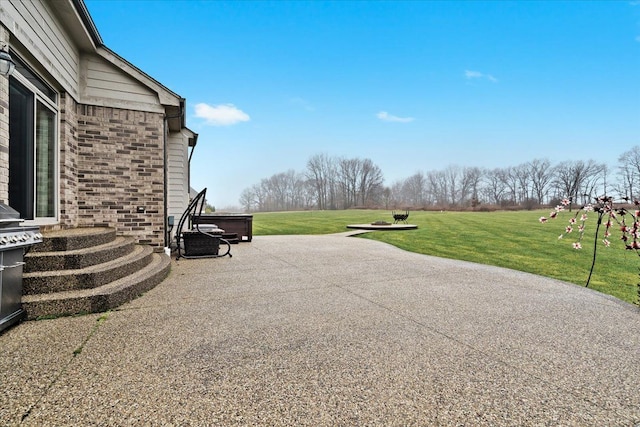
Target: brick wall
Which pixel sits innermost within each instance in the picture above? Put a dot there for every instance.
(121, 168)
(4, 127)
(68, 162)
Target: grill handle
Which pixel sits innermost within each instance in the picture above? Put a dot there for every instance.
(17, 264)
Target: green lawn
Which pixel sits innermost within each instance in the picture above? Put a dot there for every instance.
(515, 240)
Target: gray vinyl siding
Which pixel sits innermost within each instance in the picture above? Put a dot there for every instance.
(106, 85)
(88, 77)
(35, 25)
(177, 179)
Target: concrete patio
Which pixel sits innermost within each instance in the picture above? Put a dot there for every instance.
(327, 331)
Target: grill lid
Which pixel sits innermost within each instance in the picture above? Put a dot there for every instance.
(8, 215)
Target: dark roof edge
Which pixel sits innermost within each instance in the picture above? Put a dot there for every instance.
(88, 22)
(83, 12)
(133, 67)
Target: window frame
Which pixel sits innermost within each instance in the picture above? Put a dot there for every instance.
(45, 100)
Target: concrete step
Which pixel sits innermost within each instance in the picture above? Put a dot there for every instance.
(73, 239)
(93, 276)
(101, 298)
(79, 258)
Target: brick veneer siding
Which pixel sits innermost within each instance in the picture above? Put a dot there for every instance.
(68, 162)
(4, 128)
(121, 167)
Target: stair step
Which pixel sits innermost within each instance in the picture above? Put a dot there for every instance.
(79, 258)
(73, 239)
(41, 282)
(102, 298)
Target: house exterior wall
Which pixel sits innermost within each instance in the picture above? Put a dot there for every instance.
(177, 177)
(103, 84)
(36, 26)
(4, 127)
(121, 169)
(68, 162)
(111, 125)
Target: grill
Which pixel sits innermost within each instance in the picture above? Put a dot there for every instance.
(15, 242)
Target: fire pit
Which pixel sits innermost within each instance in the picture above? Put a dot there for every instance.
(400, 217)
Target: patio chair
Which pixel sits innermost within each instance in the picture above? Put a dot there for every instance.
(195, 240)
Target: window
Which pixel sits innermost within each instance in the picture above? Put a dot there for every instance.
(32, 145)
(45, 161)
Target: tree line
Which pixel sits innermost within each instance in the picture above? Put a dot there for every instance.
(342, 183)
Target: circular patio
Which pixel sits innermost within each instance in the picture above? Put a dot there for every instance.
(388, 227)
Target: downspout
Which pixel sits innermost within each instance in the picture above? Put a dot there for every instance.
(193, 147)
(165, 183)
(165, 143)
(189, 162)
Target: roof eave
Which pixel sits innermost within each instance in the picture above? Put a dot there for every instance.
(173, 103)
(86, 19)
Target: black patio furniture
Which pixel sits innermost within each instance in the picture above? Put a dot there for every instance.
(194, 240)
(397, 216)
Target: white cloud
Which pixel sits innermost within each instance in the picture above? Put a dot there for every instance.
(472, 74)
(302, 103)
(478, 75)
(386, 117)
(221, 115)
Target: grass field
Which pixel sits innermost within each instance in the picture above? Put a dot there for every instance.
(514, 240)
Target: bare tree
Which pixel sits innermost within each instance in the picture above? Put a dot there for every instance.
(541, 174)
(386, 197)
(510, 181)
(348, 173)
(453, 176)
(248, 199)
(629, 172)
(359, 181)
(259, 197)
(471, 178)
(281, 191)
(437, 189)
(577, 179)
(594, 178)
(414, 190)
(495, 188)
(340, 183)
(370, 183)
(321, 174)
(524, 183)
(397, 196)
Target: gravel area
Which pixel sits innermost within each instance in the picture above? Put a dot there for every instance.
(332, 331)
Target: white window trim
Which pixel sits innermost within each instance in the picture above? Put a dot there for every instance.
(47, 102)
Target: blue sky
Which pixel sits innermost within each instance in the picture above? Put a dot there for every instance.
(414, 86)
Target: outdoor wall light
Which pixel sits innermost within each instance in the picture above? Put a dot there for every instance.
(6, 63)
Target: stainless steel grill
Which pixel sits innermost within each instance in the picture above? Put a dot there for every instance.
(15, 241)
